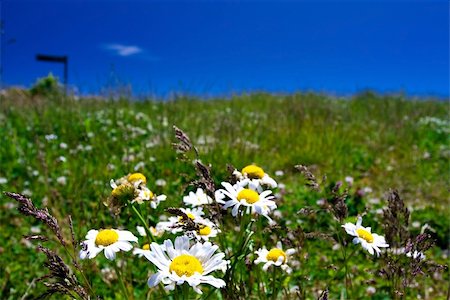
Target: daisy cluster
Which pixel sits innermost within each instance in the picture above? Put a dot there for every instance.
(134, 187)
(189, 255)
(191, 258)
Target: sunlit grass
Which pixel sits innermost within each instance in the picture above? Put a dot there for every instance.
(381, 142)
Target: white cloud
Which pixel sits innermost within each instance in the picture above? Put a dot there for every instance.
(124, 50)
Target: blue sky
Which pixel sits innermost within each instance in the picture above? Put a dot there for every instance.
(215, 48)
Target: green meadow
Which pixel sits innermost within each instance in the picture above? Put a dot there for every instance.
(62, 153)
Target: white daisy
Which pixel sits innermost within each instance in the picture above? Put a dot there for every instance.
(219, 196)
(197, 199)
(145, 194)
(140, 194)
(206, 230)
(110, 240)
(141, 251)
(174, 224)
(255, 178)
(137, 178)
(153, 231)
(254, 202)
(275, 256)
(416, 255)
(372, 242)
(182, 263)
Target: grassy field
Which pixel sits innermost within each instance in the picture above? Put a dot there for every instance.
(63, 153)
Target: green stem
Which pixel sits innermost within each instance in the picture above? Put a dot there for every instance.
(122, 283)
(75, 263)
(147, 229)
(274, 285)
(241, 253)
(185, 291)
(258, 280)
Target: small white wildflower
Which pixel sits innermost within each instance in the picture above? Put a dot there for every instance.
(160, 182)
(173, 224)
(62, 180)
(416, 255)
(415, 224)
(275, 256)
(255, 178)
(371, 290)
(336, 247)
(321, 202)
(279, 173)
(35, 229)
(109, 240)
(367, 190)
(251, 200)
(372, 242)
(139, 166)
(197, 199)
(374, 200)
(27, 192)
(349, 180)
(51, 137)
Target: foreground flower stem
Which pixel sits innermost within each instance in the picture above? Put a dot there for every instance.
(261, 289)
(144, 223)
(122, 283)
(346, 258)
(185, 291)
(79, 269)
(274, 283)
(245, 240)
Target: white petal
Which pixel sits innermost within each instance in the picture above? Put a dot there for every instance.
(182, 243)
(112, 183)
(124, 246)
(215, 282)
(290, 251)
(109, 253)
(155, 279)
(358, 222)
(235, 210)
(350, 228)
(92, 234)
(125, 235)
(265, 194)
(141, 231)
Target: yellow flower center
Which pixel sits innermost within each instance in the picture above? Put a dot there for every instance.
(146, 247)
(275, 253)
(253, 172)
(190, 216)
(137, 176)
(148, 194)
(124, 192)
(365, 235)
(205, 230)
(250, 196)
(185, 265)
(106, 237)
